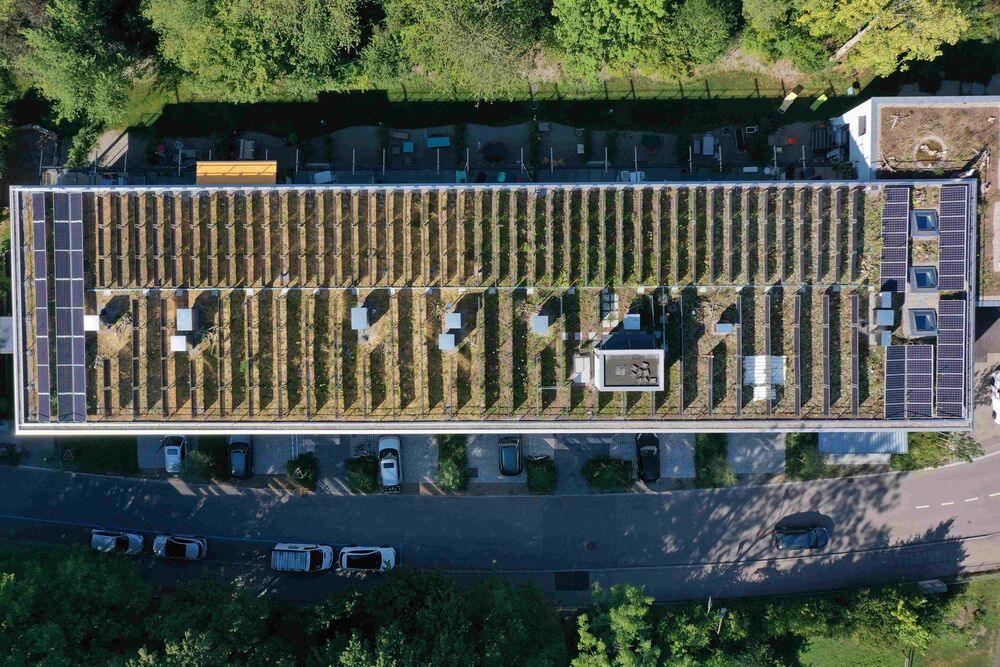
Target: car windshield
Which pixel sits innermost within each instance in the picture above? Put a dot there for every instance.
(315, 559)
(388, 465)
(173, 451)
(368, 561)
(175, 549)
(121, 543)
(798, 540)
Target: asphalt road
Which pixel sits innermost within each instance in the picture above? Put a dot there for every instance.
(681, 545)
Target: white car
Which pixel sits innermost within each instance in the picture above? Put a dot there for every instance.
(180, 547)
(174, 452)
(389, 472)
(368, 559)
(995, 395)
(116, 542)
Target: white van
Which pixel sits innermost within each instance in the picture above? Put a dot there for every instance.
(301, 557)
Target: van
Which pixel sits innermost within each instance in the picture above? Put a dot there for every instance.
(301, 557)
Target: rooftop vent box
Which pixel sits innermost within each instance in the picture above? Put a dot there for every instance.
(923, 223)
(452, 321)
(91, 322)
(723, 328)
(885, 318)
(185, 320)
(359, 319)
(446, 342)
(540, 324)
(633, 322)
(885, 299)
(178, 344)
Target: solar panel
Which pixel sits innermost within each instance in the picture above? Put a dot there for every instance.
(950, 381)
(895, 382)
(896, 210)
(950, 193)
(894, 254)
(952, 254)
(951, 396)
(951, 337)
(894, 240)
(919, 366)
(952, 208)
(952, 357)
(948, 410)
(42, 357)
(951, 283)
(917, 352)
(948, 366)
(953, 307)
(952, 239)
(897, 194)
(71, 376)
(951, 223)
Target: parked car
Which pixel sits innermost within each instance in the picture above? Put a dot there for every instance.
(790, 538)
(174, 451)
(510, 455)
(180, 547)
(116, 541)
(372, 559)
(389, 471)
(647, 456)
(301, 557)
(240, 456)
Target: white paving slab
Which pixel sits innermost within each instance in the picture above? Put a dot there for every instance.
(756, 452)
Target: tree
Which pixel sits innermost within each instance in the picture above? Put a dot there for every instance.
(85, 59)
(249, 50)
(477, 47)
(902, 616)
(69, 607)
(621, 36)
(772, 31)
(515, 625)
(616, 630)
(709, 26)
(889, 33)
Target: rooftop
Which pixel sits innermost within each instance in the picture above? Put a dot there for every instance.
(271, 287)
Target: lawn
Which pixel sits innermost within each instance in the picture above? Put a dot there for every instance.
(104, 456)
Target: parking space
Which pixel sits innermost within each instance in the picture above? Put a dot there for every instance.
(751, 453)
(484, 461)
(676, 455)
(571, 452)
(150, 452)
(419, 459)
(271, 453)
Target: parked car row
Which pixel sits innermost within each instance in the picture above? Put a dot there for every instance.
(285, 557)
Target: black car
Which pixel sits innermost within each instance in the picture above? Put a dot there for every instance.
(647, 455)
(804, 537)
(240, 456)
(510, 455)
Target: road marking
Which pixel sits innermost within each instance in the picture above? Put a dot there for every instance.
(972, 500)
(994, 495)
(923, 507)
(950, 502)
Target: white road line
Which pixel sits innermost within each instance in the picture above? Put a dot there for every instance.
(994, 495)
(923, 507)
(950, 502)
(972, 500)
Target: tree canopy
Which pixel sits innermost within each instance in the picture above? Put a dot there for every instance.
(244, 50)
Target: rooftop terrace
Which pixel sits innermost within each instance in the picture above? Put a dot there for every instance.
(272, 276)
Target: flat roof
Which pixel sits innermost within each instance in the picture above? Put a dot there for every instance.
(272, 275)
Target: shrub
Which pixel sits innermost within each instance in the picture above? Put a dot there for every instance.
(104, 456)
(931, 450)
(803, 459)
(453, 463)
(216, 451)
(303, 470)
(710, 465)
(362, 473)
(541, 474)
(198, 466)
(607, 474)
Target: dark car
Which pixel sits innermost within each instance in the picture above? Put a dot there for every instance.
(240, 456)
(647, 450)
(510, 455)
(806, 537)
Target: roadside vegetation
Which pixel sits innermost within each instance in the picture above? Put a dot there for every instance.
(103, 456)
(803, 460)
(541, 474)
(711, 469)
(362, 473)
(608, 474)
(932, 450)
(453, 463)
(112, 63)
(72, 606)
(303, 471)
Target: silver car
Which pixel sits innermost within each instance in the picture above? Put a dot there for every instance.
(174, 453)
(180, 547)
(370, 559)
(116, 542)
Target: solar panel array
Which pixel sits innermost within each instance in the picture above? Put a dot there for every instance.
(895, 236)
(953, 237)
(951, 371)
(71, 375)
(43, 381)
(909, 388)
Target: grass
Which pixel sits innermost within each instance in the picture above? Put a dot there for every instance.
(303, 471)
(608, 474)
(453, 463)
(103, 456)
(362, 473)
(926, 450)
(710, 466)
(803, 460)
(541, 474)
